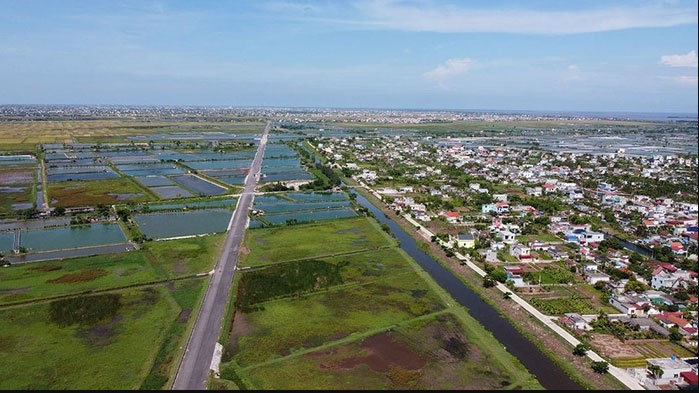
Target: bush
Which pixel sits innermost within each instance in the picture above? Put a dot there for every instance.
(600, 367)
(580, 350)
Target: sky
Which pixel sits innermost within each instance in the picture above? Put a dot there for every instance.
(558, 55)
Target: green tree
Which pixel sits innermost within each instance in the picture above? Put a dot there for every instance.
(675, 335)
(488, 281)
(600, 367)
(656, 371)
(580, 350)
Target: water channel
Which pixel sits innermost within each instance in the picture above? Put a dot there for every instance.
(630, 246)
(548, 373)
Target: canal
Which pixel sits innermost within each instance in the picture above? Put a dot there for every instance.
(630, 246)
(548, 373)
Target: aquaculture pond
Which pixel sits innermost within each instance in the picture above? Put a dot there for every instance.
(71, 237)
(198, 185)
(178, 224)
(228, 203)
(6, 241)
(301, 207)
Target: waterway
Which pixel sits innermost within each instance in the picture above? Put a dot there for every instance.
(548, 373)
(630, 246)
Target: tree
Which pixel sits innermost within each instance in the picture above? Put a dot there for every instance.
(675, 335)
(488, 281)
(635, 286)
(600, 367)
(507, 295)
(656, 371)
(58, 211)
(580, 350)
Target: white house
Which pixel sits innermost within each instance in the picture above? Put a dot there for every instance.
(672, 369)
(593, 278)
(629, 304)
(521, 252)
(506, 236)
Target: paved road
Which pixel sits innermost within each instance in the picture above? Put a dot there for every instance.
(193, 372)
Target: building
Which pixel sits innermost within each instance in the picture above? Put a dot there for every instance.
(630, 304)
(521, 252)
(672, 370)
(463, 240)
(575, 322)
(506, 236)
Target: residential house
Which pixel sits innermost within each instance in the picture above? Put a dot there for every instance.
(500, 197)
(575, 322)
(665, 277)
(594, 278)
(514, 274)
(672, 368)
(506, 236)
(451, 216)
(630, 304)
(465, 240)
(582, 236)
(521, 252)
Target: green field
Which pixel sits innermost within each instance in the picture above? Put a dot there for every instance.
(434, 353)
(95, 192)
(158, 261)
(328, 238)
(105, 322)
(99, 342)
(341, 306)
(276, 329)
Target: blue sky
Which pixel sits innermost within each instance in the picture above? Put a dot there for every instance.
(638, 56)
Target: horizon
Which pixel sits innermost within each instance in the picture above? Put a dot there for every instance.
(594, 56)
(456, 110)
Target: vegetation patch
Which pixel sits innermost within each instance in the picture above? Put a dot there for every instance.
(84, 343)
(281, 327)
(304, 241)
(432, 353)
(186, 293)
(95, 192)
(85, 275)
(45, 268)
(286, 279)
(560, 306)
(84, 310)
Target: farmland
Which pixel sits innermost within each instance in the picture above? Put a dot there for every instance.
(372, 319)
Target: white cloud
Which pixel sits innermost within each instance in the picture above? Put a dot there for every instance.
(451, 67)
(446, 18)
(688, 60)
(687, 80)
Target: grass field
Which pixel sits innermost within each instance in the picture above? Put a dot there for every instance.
(434, 353)
(276, 329)
(95, 192)
(156, 262)
(328, 238)
(365, 318)
(98, 342)
(60, 335)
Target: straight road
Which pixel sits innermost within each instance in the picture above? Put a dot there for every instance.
(193, 371)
